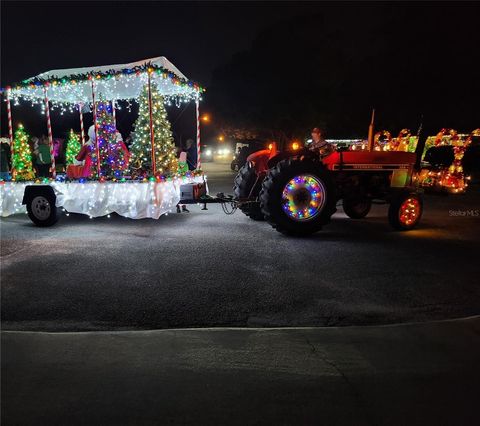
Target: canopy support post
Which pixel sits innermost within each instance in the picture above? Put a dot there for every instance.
(97, 146)
(152, 135)
(197, 109)
(114, 114)
(50, 135)
(82, 131)
(10, 130)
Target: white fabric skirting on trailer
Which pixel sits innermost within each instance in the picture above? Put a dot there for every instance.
(135, 200)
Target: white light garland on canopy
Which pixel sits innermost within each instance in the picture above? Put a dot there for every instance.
(121, 85)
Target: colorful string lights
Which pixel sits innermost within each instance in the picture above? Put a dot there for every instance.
(303, 197)
(66, 92)
(22, 156)
(73, 147)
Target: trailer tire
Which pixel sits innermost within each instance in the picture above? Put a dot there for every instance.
(356, 208)
(298, 197)
(247, 186)
(405, 211)
(41, 208)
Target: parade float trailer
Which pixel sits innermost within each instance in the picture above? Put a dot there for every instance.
(71, 90)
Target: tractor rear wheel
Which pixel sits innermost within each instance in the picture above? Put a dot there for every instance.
(246, 188)
(405, 211)
(298, 197)
(356, 208)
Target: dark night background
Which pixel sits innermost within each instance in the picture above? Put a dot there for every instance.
(274, 68)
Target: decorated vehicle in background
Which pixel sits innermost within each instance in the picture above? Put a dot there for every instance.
(449, 160)
(148, 184)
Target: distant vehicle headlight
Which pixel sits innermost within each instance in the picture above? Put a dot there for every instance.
(226, 151)
(208, 152)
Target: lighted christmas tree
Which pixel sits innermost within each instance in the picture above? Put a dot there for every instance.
(141, 148)
(22, 156)
(73, 147)
(112, 161)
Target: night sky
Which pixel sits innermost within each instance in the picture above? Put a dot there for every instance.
(196, 37)
(199, 38)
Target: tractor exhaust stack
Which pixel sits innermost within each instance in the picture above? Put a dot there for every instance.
(370, 131)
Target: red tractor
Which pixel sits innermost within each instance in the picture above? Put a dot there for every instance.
(297, 191)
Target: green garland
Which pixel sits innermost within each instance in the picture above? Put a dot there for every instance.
(107, 75)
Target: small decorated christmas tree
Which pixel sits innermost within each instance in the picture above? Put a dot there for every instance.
(22, 168)
(141, 148)
(112, 161)
(73, 147)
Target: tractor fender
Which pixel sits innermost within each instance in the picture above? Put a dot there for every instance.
(303, 154)
(395, 193)
(259, 160)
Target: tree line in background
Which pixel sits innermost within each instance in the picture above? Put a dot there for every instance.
(330, 69)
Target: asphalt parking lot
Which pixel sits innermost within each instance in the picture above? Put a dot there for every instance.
(209, 269)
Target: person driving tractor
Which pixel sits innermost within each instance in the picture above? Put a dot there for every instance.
(320, 144)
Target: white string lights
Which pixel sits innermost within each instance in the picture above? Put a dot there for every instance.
(122, 86)
(135, 200)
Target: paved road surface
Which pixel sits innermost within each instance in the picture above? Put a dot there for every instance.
(424, 374)
(209, 269)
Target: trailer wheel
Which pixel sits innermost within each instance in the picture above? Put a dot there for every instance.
(247, 187)
(357, 208)
(298, 197)
(405, 211)
(41, 209)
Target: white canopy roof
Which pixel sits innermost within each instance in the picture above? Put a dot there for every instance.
(160, 61)
(121, 81)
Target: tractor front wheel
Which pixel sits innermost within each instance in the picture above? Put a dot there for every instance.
(357, 208)
(298, 197)
(246, 189)
(405, 211)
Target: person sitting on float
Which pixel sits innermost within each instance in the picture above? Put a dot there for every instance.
(82, 167)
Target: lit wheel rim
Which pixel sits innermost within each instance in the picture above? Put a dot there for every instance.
(41, 208)
(409, 211)
(303, 197)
